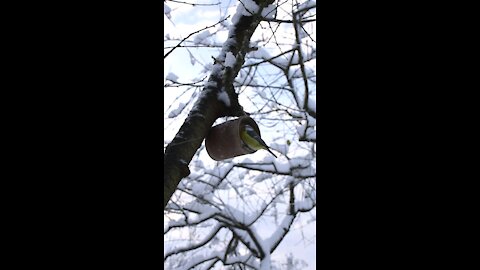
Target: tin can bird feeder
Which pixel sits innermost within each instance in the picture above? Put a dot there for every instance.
(223, 141)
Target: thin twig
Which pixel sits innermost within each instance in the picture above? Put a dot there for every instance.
(193, 34)
(194, 4)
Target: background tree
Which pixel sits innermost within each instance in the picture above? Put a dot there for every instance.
(236, 212)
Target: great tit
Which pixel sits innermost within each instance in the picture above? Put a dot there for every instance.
(253, 140)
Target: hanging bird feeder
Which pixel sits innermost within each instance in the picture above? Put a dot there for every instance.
(223, 141)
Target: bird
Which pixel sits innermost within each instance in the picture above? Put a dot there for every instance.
(253, 140)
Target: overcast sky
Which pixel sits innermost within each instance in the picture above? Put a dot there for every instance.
(301, 242)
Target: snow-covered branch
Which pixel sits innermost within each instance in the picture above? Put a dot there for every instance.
(237, 213)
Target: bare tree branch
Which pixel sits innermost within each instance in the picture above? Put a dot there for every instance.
(208, 107)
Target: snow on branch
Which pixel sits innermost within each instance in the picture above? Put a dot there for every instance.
(193, 246)
(205, 214)
(218, 214)
(298, 167)
(191, 34)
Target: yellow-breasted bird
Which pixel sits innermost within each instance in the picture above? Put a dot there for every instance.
(253, 140)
